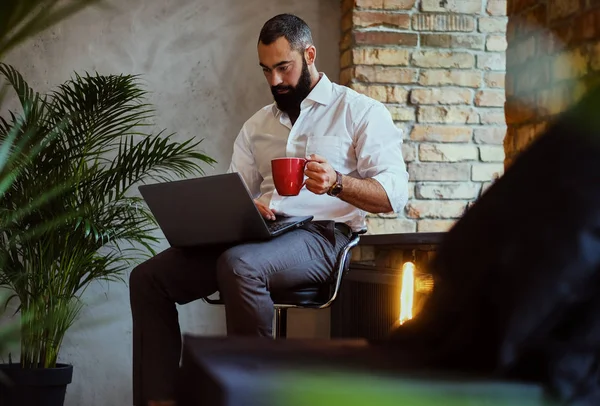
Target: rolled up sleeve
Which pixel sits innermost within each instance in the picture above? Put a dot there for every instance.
(379, 154)
(242, 161)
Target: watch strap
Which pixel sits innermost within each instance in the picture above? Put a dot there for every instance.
(337, 187)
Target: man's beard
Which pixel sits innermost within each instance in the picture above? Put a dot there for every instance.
(290, 102)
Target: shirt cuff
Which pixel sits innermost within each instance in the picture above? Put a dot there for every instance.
(395, 185)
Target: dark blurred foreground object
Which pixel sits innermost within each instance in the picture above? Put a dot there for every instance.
(299, 372)
(516, 298)
(517, 289)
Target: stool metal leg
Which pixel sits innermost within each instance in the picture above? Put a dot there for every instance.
(280, 322)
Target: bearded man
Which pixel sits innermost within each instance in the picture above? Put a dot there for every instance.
(356, 167)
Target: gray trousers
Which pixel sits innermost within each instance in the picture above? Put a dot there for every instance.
(243, 274)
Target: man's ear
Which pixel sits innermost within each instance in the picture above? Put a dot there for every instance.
(310, 53)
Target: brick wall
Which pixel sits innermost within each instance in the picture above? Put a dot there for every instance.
(439, 67)
(553, 55)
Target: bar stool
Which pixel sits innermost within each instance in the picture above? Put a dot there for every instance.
(319, 296)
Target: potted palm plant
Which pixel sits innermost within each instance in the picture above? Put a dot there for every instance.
(19, 21)
(98, 137)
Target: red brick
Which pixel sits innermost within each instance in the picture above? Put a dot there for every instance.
(375, 19)
(383, 74)
(381, 56)
(451, 6)
(443, 22)
(492, 116)
(492, 153)
(376, 4)
(378, 225)
(447, 190)
(385, 38)
(386, 4)
(439, 171)
(496, 43)
(399, 4)
(448, 114)
(448, 152)
(495, 79)
(409, 152)
(435, 226)
(486, 172)
(440, 59)
(443, 77)
(443, 95)
(435, 209)
(490, 135)
(495, 61)
(492, 24)
(441, 133)
(402, 113)
(452, 41)
(382, 93)
(489, 98)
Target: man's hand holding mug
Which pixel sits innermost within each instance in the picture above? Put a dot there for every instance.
(288, 175)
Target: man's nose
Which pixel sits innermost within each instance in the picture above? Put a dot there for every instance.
(275, 79)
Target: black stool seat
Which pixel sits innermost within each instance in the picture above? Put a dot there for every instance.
(306, 296)
(318, 296)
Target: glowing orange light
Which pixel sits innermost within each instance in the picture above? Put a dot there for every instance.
(407, 293)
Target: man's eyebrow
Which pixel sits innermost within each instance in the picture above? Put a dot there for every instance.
(278, 64)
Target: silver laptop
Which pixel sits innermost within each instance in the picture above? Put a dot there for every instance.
(211, 210)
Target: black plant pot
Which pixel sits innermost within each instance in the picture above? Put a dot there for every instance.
(35, 387)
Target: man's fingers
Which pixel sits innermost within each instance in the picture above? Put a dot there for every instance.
(265, 211)
(317, 187)
(315, 167)
(317, 158)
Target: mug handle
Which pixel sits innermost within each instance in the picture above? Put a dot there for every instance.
(306, 161)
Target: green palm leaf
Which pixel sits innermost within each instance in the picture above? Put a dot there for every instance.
(20, 20)
(97, 133)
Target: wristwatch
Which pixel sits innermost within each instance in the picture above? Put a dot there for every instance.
(337, 187)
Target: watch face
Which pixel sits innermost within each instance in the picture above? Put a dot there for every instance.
(336, 190)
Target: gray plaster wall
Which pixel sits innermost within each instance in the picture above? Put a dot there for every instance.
(198, 60)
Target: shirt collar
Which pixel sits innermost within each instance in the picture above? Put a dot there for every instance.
(321, 93)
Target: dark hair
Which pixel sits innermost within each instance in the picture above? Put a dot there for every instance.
(293, 28)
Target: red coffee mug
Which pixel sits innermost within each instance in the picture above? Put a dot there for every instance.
(288, 175)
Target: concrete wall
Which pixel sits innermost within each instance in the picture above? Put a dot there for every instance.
(198, 58)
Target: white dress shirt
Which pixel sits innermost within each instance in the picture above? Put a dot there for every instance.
(353, 132)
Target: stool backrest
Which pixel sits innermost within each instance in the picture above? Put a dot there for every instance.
(342, 265)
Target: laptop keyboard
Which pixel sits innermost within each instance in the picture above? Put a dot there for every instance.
(276, 225)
